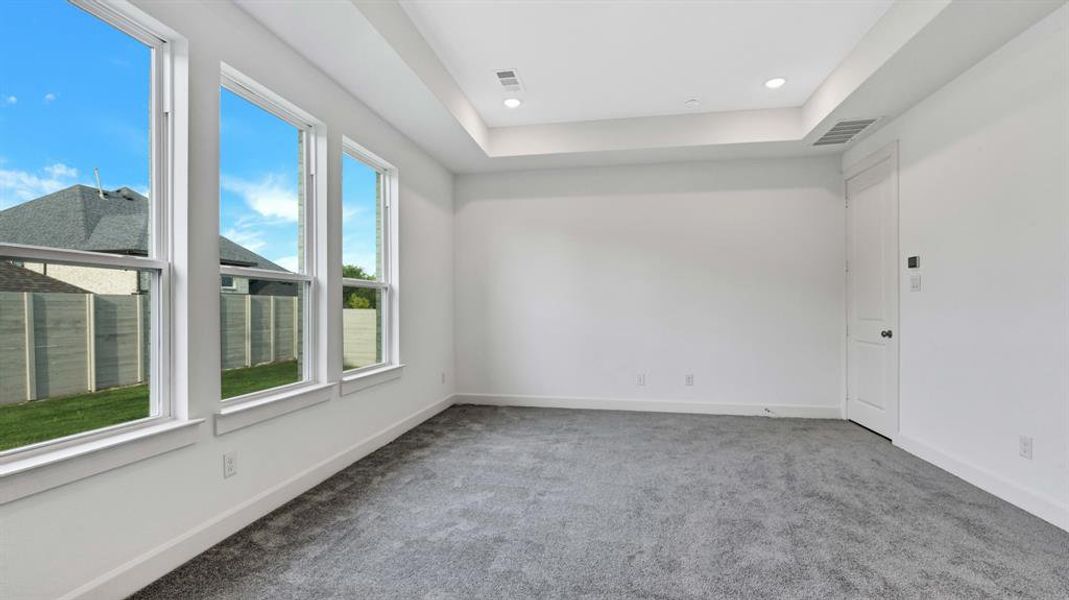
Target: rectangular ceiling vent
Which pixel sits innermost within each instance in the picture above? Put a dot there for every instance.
(844, 131)
(509, 79)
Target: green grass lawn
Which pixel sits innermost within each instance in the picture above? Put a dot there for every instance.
(245, 381)
(40, 420)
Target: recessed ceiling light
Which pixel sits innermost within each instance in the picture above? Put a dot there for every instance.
(775, 83)
(513, 102)
(692, 103)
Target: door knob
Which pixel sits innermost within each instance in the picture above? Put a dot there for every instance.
(887, 333)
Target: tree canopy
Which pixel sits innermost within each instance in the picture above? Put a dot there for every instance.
(359, 297)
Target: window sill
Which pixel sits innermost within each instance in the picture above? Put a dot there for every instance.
(362, 381)
(35, 474)
(251, 412)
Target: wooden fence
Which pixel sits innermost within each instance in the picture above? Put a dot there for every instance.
(61, 344)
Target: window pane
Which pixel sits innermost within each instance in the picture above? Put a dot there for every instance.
(75, 98)
(260, 193)
(262, 335)
(75, 347)
(362, 319)
(361, 220)
(58, 131)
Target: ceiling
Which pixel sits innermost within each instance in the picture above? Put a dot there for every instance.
(585, 60)
(606, 80)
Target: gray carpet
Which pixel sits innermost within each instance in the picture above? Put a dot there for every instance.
(513, 503)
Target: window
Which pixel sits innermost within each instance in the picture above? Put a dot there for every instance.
(266, 198)
(228, 283)
(83, 203)
(368, 288)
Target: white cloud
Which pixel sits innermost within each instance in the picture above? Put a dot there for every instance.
(50, 97)
(249, 238)
(287, 262)
(18, 186)
(349, 213)
(270, 196)
(61, 171)
(11, 100)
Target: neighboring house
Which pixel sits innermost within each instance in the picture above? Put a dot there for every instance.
(14, 278)
(84, 218)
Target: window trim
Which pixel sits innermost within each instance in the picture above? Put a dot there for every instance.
(312, 130)
(162, 43)
(35, 473)
(388, 278)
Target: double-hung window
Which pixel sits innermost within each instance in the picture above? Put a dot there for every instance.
(369, 289)
(84, 235)
(266, 245)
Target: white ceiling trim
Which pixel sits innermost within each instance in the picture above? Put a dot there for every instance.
(374, 50)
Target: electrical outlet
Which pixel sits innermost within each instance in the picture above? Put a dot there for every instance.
(230, 464)
(915, 282)
(1025, 447)
(641, 380)
(688, 379)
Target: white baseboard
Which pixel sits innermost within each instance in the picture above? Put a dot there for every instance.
(1038, 504)
(143, 570)
(668, 406)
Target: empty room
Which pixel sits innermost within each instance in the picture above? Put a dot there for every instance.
(534, 299)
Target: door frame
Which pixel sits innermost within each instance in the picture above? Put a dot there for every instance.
(888, 152)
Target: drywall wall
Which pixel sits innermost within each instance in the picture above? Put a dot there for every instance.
(104, 536)
(984, 197)
(573, 283)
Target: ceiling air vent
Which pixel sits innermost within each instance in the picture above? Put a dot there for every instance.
(509, 79)
(844, 131)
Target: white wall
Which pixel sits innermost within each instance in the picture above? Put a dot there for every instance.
(572, 282)
(128, 526)
(984, 191)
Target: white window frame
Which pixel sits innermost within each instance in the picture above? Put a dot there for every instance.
(387, 271)
(136, 24)
(313, 130)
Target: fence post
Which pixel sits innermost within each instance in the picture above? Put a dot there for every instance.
(271, 327)
(248, 330)
(30, 342)
(90, 343)
(139, 309)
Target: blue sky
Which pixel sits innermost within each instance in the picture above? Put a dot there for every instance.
(74, 96)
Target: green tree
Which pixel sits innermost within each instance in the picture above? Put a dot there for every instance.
(359, 297)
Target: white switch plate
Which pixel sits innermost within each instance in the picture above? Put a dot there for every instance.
(914, 282)
(230, 464)
(1025, 449)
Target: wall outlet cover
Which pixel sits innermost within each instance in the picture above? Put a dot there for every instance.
(1025, 447)
(230, 464)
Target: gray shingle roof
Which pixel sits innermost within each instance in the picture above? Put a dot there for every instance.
(14, 278)
(77, 218)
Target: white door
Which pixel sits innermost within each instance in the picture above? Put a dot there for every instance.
(872, 293)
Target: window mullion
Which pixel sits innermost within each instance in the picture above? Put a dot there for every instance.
(263, 274)
(364, 283)
(79, 257)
